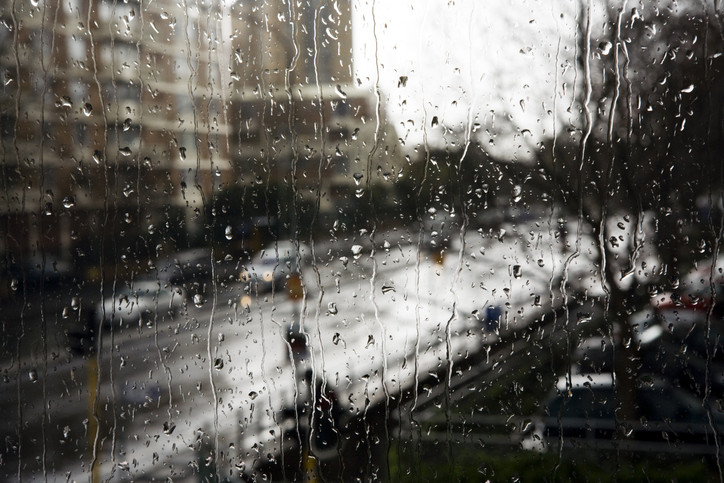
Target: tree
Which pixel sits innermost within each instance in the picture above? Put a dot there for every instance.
(648, 147)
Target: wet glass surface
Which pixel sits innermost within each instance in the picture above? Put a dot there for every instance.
(341, 240)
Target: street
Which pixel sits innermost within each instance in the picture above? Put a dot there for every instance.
(375, 323)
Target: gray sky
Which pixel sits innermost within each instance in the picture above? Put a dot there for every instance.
(468, 61)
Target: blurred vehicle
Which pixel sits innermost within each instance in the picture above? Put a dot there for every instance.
(33, 273)
(141, 302)
(699, 290)
(584, 416)
(194, 265)
(270, 267)
(677, 345)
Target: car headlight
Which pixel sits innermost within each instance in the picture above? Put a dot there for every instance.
(268, 276)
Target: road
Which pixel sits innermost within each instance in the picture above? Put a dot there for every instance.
(376, 322)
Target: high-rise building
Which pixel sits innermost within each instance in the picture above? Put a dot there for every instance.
(112, 123)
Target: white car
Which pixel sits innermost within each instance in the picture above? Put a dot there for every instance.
(141, 302)
(271, 266)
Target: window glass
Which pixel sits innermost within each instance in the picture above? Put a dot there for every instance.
(357, 240)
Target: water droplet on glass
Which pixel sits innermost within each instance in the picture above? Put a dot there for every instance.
(97, 157)
(517, 191)
(168, 427)
(356, 251)
(335, 338)
(517, 271)
(125, 151)
(74, 303)
(198, 300)
(68, 202)
(151, 229)
(219, 364)
(253, 395)
(605, 47)
(540, 262)
(344, 261)
(228, 232)
(332, 308)
(48, 209)
(359, 193)
(357, 178)
(66, 313)
(87, 109)
(584, 317)
(688, 89)
(33, 375)
(14, 284)
(386, 245)
(338, 90)
(127, 124)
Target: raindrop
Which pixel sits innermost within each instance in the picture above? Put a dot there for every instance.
(66, 313)
(64, 102)
(332, 308)
(168, 427)
(14, 284)
(68, 202)
(74, 303)
(344, 261)
(198, 300)
(359, 193)
(253, 395)
(605, 47)
(501, 235)
(540, 262)
(517, 191)
(127, 124)
(97, 157)
(517, 271)
(356, 251)
(387, 288)
(129, 220)
(151, 229)
(87, 109)
(688, 90)
(357, 178)
(182, 152)
(228, 232)
(338, 90)
(386, 245)
(335, 338)
(219, 364)
(584, 317)
(370, 341)
(48, 209)
(33, 375)
(125, 151)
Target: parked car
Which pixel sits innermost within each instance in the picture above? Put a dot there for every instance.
(668, 418)
(271, 266)
(141, 302)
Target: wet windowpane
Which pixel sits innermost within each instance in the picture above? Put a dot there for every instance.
(353, 240)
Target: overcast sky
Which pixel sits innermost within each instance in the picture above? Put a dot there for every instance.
(467, 59)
